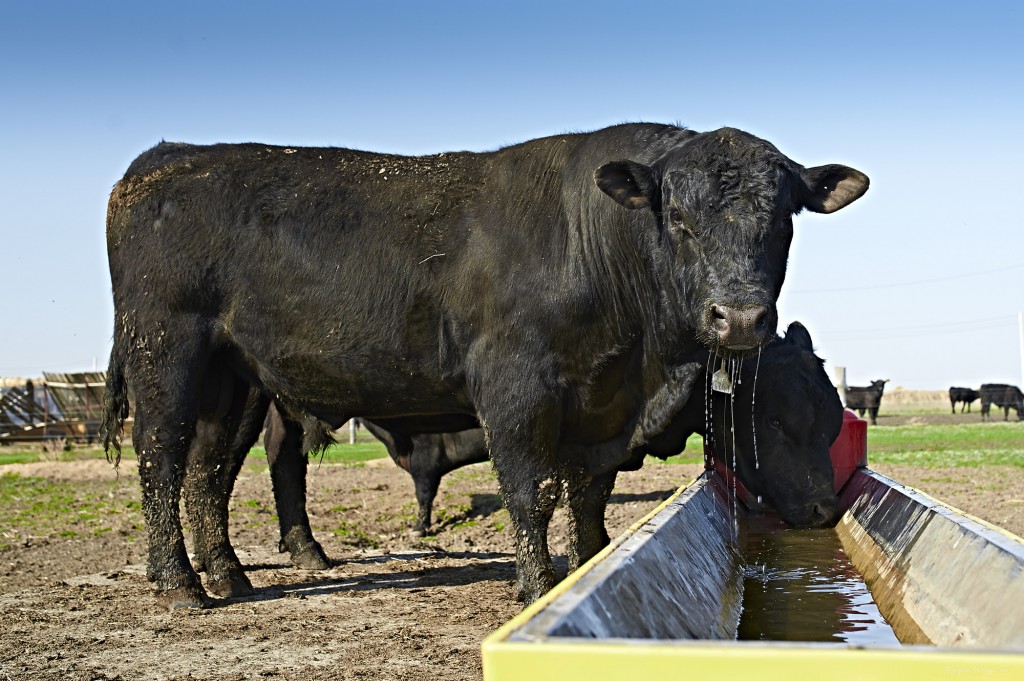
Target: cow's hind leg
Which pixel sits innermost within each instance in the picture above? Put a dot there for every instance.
(163, 367)
(231, 418)
(586, 499)
(283, 442)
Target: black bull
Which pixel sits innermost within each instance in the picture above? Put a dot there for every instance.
(539, 288)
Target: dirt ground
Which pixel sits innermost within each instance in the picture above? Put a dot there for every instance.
(393, 606)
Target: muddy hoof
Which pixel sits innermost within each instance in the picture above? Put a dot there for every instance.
(310, 557)
(528, 593)
(183, 598)
(232, 585)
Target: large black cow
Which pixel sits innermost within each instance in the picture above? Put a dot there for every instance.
(1002, 395)
(867, 398)
(965, 395)
(539, 289)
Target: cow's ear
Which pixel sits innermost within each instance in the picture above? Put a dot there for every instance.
(631, 184)
(798, 335)
(829, 188)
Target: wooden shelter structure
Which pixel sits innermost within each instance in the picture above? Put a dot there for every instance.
(62, 405)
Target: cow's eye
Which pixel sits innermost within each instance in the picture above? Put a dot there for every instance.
(775, 423)
(678, 222)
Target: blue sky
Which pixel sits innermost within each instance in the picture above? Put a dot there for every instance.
(918, 282)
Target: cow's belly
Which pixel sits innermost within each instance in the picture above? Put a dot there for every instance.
(335, 375)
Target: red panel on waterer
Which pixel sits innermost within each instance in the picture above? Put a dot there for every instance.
(850, 449)
(849, 452)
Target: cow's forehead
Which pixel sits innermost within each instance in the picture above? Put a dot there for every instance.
(728, 148)
(729, 164)
(794, 372)
(763, 193)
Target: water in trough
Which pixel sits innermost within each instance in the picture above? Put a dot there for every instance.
(799, 585)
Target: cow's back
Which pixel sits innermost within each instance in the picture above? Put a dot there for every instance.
(305, 265)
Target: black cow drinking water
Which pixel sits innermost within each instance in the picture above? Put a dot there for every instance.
(774, 429)
(1002, 395)
(540, 289)
(867, 399)
(964, 395)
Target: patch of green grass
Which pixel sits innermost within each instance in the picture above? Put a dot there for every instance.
(42, 508)
(22, 456)
(31, 454)
(693, 453)
(500, 519)
(355, 536)
(948, 445)
(360, 451)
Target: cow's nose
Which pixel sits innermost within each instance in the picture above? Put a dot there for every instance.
(823, 513)
(740, 329)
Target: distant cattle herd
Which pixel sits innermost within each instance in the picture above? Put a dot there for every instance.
(1000, 394)
(869, 398)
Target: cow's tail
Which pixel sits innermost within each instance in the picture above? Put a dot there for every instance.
(317, 436)
(115, 403)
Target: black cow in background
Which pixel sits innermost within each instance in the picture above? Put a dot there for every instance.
(965, 395)
(542, 288)
(428, 457)
(867, 398)
(1002, 395)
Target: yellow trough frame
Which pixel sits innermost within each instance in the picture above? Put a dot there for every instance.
(559, 658)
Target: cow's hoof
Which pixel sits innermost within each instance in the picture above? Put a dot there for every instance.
(529, 590)
(233, 585)
(527, 595)
(183, 598)
(310, 557)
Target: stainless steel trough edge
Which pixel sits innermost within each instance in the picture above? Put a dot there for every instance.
(938, 575)
(564, 635)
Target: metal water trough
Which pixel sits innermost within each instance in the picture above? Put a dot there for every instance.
(664, 599)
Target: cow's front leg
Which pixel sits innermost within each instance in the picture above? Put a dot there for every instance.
(521, 426)
(586, 498)
(530, 499)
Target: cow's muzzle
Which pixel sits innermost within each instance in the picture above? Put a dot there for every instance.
(741, 329)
